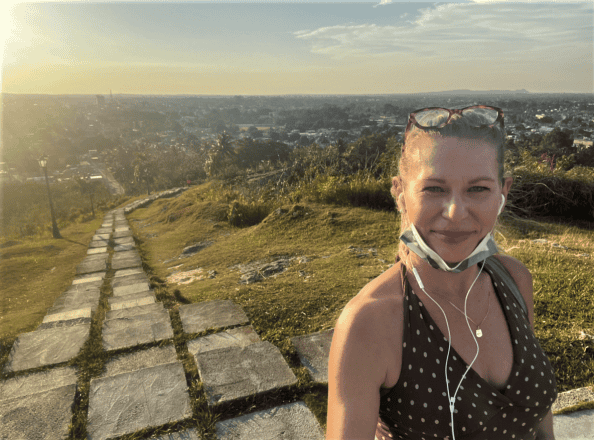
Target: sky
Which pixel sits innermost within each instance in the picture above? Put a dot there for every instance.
(285, 48)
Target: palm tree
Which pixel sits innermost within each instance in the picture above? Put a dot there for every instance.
(221, 150)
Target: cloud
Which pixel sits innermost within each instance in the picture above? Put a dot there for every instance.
(464, 30)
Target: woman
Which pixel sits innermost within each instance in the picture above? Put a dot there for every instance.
(440, 346)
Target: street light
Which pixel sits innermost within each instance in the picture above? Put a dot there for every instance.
(43, 164)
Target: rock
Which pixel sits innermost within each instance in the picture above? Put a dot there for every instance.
(195, 248)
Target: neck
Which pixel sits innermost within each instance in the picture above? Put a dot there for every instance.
(448, 284)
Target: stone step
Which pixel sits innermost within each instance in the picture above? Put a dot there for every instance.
(293, 421)
(38, 405)
(47, 347)
(133, 311)
(127, 272)
(134, 300)
(129, 279)
(131, 289)
(235, 337)
(140, 329)
(236, 372)
(314, 350)
(138, 360)
(208, 314)
(577, 425)
(116, 407)
(188, 434)
(91, 278)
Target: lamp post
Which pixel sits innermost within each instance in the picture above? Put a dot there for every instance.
(43, 164)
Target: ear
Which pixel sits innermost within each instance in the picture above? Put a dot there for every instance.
(507, 183)
(397, 191)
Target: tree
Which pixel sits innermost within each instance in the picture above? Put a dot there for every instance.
(87, 188)
(219, 153)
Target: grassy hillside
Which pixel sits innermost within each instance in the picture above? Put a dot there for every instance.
(344, 248)
(336, 250)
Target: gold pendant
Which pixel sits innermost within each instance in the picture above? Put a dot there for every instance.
(479, 333)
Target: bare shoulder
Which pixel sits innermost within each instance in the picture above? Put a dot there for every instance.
(381, 296)
(522, 277)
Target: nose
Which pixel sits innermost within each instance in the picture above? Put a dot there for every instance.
(455, 209)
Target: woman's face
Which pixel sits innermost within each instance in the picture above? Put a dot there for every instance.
(452, 193)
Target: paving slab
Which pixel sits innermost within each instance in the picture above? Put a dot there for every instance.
(124, 240)
(237, 372)
(46, 347)
(67, 316)
(93, 263)
(101, 237)
(99, 276)
(578, 425)
(133, 311)
(116, 407)
(138, 360)
(72, 300)
(293, 421)
(129, 279)
(126, 301)
(127, 272)
(121, 229)
(70, 323)
(235, 337)
(314, 350)
(125, 255)
(130, 289)
(201, 316)
(97, 250)
(124, 247)
(38, 382)
(41, 416)
(134, 333)
(573, 397)
(126, 263)
(106, 230)
(188, 434)
(120, 234)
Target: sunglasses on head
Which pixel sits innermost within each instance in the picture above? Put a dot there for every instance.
(419, 118)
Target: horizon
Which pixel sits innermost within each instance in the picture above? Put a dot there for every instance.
(297, 49)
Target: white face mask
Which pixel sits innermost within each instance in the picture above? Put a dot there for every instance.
(484, 249)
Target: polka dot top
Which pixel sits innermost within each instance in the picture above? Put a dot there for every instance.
(417, 406)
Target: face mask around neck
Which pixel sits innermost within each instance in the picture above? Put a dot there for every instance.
(415, 243)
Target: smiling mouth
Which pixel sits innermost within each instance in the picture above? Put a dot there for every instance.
(453, 237)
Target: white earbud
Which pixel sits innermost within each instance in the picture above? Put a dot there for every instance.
(502, 204)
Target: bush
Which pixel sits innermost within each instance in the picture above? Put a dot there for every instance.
(543, 188)
(244, 214)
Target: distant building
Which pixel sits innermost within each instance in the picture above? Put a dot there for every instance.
(582, 144)
(100, 101)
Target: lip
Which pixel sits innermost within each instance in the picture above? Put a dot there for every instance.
(453, 236)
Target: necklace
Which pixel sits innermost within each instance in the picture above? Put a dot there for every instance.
(479, 332)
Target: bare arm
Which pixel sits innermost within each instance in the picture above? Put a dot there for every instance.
(523, 279)
(356, 370)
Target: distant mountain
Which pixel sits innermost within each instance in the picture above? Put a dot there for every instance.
(479, 92)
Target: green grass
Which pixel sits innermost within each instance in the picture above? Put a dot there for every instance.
(36, 271)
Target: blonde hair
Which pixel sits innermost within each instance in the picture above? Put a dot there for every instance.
(460, 127)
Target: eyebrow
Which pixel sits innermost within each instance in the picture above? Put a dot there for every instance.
(478, 179)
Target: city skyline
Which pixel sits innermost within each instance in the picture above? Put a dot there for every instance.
(281, 48)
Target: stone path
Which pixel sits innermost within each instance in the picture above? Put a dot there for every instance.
(143, 384)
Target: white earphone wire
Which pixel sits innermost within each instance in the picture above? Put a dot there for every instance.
(452, 400)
